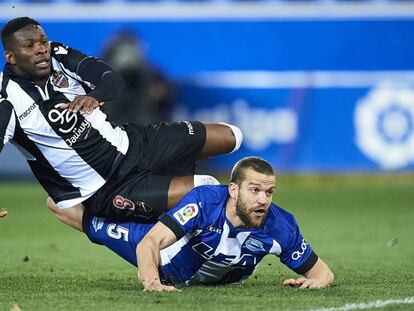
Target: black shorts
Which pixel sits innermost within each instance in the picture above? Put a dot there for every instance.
(138, 190)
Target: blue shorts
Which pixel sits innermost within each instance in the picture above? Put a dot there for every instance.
(120, 237)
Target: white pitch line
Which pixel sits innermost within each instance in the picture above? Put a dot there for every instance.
(368, 305)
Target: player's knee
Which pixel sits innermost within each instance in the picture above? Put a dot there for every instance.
(200, 180)
(238, 135)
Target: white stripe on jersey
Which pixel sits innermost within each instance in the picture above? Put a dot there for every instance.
(167, 254)
(276, 248)
(116, 136)
(231, 246)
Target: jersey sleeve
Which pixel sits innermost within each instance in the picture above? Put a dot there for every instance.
(106, 84)
(296, 253)
(187, 216)
(7, 122)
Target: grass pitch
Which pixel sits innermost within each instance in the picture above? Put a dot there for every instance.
(362, 227)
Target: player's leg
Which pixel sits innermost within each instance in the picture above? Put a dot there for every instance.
(71, 216)
(174, 148)
(180, 186)
(221, 138)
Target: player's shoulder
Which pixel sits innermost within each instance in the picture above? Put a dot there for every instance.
(279, 220)
(213, 194)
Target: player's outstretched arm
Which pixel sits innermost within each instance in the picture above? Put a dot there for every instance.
(148, 257)
(319, 276)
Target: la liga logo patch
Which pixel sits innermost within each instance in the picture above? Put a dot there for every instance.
(184, 214)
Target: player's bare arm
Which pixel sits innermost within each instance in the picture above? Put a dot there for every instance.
(319, 276)
(148, 257)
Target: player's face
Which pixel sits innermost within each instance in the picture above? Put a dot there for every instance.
(254, 198)
(30, 53)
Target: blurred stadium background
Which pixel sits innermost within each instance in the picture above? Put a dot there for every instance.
(316, 86)
(321, 88)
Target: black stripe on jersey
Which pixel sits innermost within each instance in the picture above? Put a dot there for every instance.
(308, 264)
(6, 110)
(3, 86)
(175, 228)
(55, 185)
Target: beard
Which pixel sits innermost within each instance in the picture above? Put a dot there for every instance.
(247, 218)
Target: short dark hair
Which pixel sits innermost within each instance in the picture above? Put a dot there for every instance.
(14, 25)
(257, 164)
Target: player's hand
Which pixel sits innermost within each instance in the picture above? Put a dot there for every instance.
(3, 213)
(83, 104)
(303, 283)
(158, 287)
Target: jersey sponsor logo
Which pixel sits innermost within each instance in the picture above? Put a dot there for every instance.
(27, 111)
(60, 80)
(236, 259)
(254, 245)
(297, 254)
(67, 119)
(184, 214)
(216, 230)
(97, 223)
(78, 132)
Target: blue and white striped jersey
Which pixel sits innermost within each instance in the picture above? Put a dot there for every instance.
(209, 250)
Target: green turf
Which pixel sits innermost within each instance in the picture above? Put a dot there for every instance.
(362, 227)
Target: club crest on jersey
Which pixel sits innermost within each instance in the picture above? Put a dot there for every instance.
(184, 214)
(254, 245)
(60, 80)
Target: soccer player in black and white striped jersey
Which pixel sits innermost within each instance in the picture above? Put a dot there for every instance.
(50, 109)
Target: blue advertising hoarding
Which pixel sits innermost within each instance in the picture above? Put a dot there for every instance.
(310, 94)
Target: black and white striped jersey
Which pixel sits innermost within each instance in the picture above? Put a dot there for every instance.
(72, 155)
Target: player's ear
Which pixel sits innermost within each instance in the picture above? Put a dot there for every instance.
(9, 56)
(233, 190)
